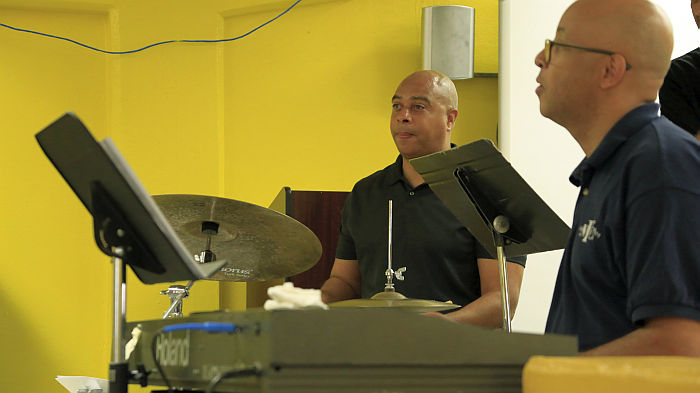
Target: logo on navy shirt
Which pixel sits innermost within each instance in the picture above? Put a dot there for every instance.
(588, 231)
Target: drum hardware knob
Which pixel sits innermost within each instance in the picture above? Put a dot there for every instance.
(399, 273)
(140, 375)
(176, 293)
(205, 256)
(501, 224)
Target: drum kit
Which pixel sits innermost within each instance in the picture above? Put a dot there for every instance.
(260, 244)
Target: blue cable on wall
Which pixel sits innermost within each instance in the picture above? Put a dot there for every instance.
(152, 45)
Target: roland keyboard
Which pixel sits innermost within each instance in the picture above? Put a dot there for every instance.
(337, 350)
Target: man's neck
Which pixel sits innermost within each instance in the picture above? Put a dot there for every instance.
(414, 178)
(590, 132)
(588, 137)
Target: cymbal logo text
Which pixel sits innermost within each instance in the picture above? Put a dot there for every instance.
(236, 272)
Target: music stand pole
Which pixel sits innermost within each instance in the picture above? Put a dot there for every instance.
(118, 369)
(503, 276)
(501, 225)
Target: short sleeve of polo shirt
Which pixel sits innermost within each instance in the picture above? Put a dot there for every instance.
(662, 232)
(663, 255)
(346, 244)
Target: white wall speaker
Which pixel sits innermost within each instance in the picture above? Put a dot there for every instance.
(448, 40)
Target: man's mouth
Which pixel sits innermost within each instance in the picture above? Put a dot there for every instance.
(539, 88)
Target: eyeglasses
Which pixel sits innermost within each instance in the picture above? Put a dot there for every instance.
(548, 44)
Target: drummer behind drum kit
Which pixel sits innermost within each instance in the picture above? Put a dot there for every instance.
(260, 244)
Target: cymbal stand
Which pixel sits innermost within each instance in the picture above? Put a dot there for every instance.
(389, 291)
(501, 225)
(176, 293)
(389, 273)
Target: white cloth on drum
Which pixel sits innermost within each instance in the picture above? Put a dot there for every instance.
(287, 297)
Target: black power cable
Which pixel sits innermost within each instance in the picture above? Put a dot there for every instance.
(155, 359)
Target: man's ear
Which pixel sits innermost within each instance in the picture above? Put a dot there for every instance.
(615, 69)
(451, 117)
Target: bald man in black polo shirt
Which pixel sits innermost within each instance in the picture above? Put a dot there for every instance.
(443, 260)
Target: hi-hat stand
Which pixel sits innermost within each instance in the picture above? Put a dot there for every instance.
(128, 226)
(498, 207)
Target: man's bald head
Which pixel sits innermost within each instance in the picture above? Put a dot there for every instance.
(608, 57)
(424, 110)
(440, 84)
(637, 29)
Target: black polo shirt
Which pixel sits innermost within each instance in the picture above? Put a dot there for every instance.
(438, 252)
(680, 94)
(633, 252)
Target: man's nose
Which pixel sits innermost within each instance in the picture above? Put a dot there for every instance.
(539, 59)
(404, 116)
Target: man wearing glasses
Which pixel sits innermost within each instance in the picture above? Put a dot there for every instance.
(628, 280)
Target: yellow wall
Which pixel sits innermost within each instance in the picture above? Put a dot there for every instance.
(304, 102)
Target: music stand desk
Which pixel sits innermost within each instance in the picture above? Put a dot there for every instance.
(128, 225)
(499, 208)
(496, 189)
(83, 162)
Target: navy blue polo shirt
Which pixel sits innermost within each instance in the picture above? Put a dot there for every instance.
(634, 252)
(438, 252)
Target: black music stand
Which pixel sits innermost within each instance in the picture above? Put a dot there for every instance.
(128, 225)
(499, 208)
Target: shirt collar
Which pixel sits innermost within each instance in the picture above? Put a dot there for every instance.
(627, 126)
(395, 171)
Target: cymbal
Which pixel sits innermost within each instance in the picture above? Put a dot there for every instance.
(259, 244)
(405, 304)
